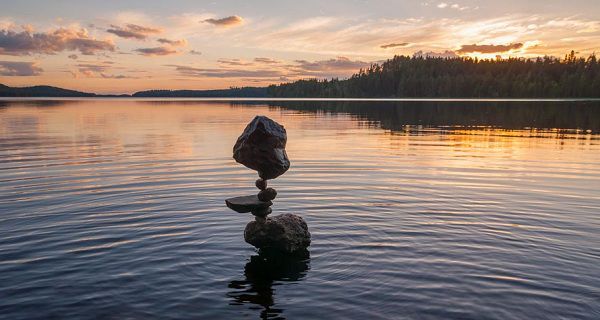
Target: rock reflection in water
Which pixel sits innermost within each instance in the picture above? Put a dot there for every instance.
(262, 272)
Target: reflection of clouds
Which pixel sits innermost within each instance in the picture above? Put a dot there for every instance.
(182, 130)
(261, 273)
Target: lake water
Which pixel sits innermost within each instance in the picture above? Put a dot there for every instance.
(114, 209)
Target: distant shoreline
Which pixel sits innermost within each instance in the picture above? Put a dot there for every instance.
(99, 97)
(403, 78)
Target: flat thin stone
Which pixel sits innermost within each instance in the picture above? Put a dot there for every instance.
(247, 204)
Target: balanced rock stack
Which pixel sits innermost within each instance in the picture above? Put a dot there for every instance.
(261, 147)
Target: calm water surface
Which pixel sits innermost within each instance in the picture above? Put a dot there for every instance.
(114, 209)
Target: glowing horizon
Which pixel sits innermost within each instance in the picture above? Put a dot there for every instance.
(121, 48)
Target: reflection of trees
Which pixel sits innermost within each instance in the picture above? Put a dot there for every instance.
(37, 103)
(506, 115)
(261, 272)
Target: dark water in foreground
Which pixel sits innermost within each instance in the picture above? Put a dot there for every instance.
(114, 209)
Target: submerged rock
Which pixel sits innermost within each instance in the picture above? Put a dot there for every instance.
(286, 232)
(261, 147)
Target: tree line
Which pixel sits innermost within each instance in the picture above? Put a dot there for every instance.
(463, 77)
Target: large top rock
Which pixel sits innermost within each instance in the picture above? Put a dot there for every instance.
(261, 147)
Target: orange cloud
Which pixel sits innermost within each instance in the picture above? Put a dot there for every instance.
(19, 69)
(489, 48)
(174, 43)
(62, 39)
(394, 45)
(156, 51)
(133, 31)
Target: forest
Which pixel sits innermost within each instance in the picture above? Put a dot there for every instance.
(464, 77)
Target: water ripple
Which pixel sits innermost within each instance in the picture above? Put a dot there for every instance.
(124, 218)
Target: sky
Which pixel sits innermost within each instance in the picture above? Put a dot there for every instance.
(126, 46)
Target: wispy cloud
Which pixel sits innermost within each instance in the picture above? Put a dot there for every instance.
(364, 38)
(226, 22)
(226, 73)
(394, 45)
(99, 69)
(336, 65)
(234, 62)
(29, 42)
(266, 60)
(174, 43)
(133, 31)
(156, 51)
(268, 69)
(455, 6)
(19, 69)
(489, 48)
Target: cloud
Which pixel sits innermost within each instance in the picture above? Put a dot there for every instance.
(97, 70)
(133, 31)
(225, 22)
(92, 69)
(156, 51)
(19, 69)
(194, 52)
(174, 43)
(264, 69)
(234, 62)
(27, 42)
(431, 54)
(337, 64)
(226, 73)
(455, 6)
(346, 36)
(265, 60)
(394, 45)
(489, 48)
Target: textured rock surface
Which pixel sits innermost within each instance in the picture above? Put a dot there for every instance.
(286, 232)
(267, 195)
(247, 204)
(261, 147)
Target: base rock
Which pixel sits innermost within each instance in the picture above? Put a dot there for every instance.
(286, 232)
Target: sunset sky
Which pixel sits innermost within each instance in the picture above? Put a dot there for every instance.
(126, 46)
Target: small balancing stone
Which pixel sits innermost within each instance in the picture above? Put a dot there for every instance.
(261, 184)
(247, 204)
(267, 195)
